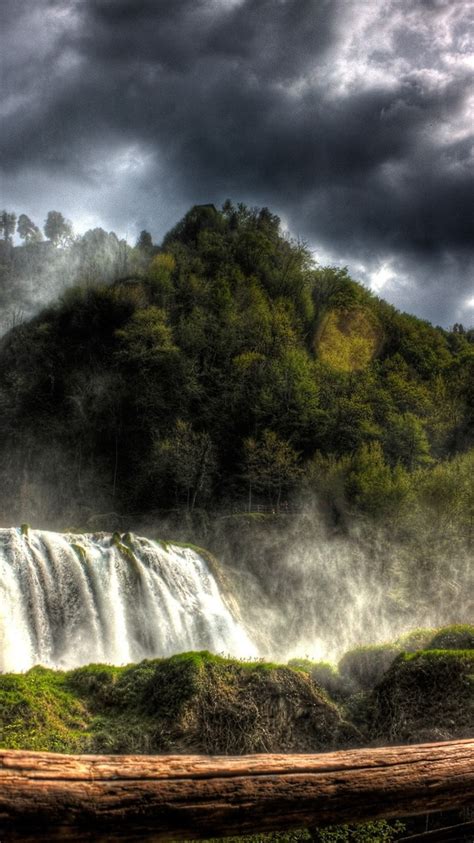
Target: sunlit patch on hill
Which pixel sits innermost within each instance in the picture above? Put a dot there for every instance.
(349, 339)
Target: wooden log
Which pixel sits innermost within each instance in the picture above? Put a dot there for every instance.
(46, 796)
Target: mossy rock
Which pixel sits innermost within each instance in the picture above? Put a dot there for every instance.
(362, 668)
(458, 637)
(426, 696)
(214, 705)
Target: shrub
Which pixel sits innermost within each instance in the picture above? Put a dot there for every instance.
(363, 667)
(458, 637)
(426, 696)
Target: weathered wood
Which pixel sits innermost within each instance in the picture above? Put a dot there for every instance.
(61, 797)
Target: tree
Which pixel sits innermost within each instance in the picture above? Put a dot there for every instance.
(160, 273)
(7, 225)
(144, 242)
(371, 483)
(58, 229)
(406, 441)
(99, 255)
(27, 230)
(147, 338)
(189, 457)
(270, 466)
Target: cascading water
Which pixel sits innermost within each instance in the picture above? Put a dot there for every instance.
(68, 600)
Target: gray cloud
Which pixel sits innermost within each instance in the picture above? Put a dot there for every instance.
(349, 118)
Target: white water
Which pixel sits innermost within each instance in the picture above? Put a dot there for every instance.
(62, 607)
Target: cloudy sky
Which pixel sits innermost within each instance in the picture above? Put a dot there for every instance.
(351, 119)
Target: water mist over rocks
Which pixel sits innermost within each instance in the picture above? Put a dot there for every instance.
(309, 590)
(68, 600)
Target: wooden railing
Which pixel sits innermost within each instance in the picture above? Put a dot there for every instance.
(152, 798)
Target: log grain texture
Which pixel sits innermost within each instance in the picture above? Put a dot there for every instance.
(45, 796)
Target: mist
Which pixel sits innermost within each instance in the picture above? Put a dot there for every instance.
(37, 274)
(315, 592)
(296, 585)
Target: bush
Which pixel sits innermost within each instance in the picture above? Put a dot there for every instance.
(458, 637)
(323, 673)
(426, 696)
(363, 667)
(416, 639)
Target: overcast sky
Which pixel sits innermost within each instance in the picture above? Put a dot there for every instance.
(351, 119)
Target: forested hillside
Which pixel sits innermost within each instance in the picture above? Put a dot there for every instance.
(229, 371)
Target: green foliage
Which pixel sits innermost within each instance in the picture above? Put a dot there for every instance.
(144, 242)
(372, 485)
(27, 230)
(94, 683)
(323, 673)
(406, 441)
(147, 338)
(160, 272)
(58, 229)
(7, 225)
(349, 339)
(379, 831)
(415, 639)
(187, 457)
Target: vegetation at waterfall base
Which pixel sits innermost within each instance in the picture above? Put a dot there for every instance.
(195, 702)
(199, 702)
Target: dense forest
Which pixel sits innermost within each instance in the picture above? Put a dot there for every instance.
(225, 370)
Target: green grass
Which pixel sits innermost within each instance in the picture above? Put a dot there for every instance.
(39, 712)
(415, 639)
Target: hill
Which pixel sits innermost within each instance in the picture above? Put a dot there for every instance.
(230, 371)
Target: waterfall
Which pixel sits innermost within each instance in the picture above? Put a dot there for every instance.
(68, 600)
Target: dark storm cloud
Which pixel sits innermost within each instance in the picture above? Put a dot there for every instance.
(348, 118)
